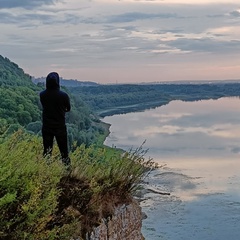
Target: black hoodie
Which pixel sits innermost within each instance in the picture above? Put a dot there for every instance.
(55, 103)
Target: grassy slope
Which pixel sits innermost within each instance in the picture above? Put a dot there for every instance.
(39, 199)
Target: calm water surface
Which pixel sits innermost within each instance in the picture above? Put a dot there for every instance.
(199, 145)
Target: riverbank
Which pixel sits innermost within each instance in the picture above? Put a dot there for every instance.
(131, 108)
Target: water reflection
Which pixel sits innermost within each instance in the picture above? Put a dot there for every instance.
(184, 128)
(200, 144)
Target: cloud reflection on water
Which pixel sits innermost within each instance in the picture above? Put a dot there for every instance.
(219, 130)
(200, 144)
(188, 128)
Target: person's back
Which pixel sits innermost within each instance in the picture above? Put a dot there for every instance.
(55, 104)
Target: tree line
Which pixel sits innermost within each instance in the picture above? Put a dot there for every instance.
(116, 99)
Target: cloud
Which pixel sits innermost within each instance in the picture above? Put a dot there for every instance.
(30, 20)
(235, 13)
(136, 16)
(139, 36)
(28, 4)
(224, 131)
(205, 44)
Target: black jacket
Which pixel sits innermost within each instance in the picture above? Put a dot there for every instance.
(55, 103)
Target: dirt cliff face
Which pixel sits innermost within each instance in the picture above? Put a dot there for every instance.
(125, 224)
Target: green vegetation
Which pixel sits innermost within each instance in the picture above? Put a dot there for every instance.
(19, 103)
(39, 199)
(115, 99)
(12, 75)
(20, 108)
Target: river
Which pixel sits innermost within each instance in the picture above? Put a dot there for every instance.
(198, 146)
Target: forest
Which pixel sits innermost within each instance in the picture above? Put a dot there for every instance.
(117, 99)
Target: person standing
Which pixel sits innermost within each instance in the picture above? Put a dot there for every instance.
(55, 103)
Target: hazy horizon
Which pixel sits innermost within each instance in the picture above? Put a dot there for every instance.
(160, 82)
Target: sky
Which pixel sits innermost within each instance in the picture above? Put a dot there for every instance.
(123, 41)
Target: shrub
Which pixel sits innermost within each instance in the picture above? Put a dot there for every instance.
(40, 199)
(108, 177)
(28, 189)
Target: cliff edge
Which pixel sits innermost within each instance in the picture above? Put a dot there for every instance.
(125, 224)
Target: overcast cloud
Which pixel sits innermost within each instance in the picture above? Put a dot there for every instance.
(123, 41)
(25, 3)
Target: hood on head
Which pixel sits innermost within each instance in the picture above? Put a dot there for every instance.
(52, 81)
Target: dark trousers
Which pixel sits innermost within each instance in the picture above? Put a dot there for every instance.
(60, 135)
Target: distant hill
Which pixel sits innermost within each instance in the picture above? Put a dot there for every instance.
(67, 82)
